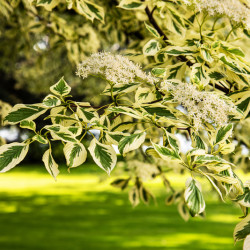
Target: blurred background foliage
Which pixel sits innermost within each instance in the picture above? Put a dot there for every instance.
(38, 46)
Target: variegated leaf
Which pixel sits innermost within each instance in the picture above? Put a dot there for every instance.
(144, 95)
(131, 142)
(131, 4)
(48, 4)
(75, 154)
(237, 51)
(246, 245)
(40, 139)
(193, 197)
(121, 88)
(223, 133)
(50, 164)
(127, 111)
(175, 71)
(151, 47)
(51, 101)
(86, 114)
(152, 30)
(61, 88)
(177, 51)
(159, 111)
(199, 75)
(21, 112)
(90, 10)
(59, 132)
(28, 124)
(197, 142)
(172, 141)
(244, 199)
(166, 153)
(11, 155)
(206, 159)
(103, 155)
(242, 229)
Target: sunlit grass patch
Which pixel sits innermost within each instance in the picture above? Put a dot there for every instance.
(81, 212)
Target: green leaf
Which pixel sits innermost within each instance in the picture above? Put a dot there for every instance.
(193, 197)
(21, 112)
(51, 101)
(50, 164)
(166, 153)
(131, 142)
(75, 154)
(223, 133)
(242, 229)
(103, 155)
(11, 155)
(151, 48)
(61, 88)
(59, 132)
(28, 124)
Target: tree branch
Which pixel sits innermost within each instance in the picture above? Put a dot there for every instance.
(154, 23)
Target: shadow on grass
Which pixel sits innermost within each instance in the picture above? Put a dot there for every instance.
(105, 220)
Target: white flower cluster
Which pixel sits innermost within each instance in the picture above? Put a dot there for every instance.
(116, 69)
(143, 170)
(201, 106)
(236, 10)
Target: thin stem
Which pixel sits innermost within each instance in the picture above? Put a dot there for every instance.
(215, 21)
(230, 32)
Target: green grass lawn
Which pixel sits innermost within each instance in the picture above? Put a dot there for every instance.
(80, 212)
